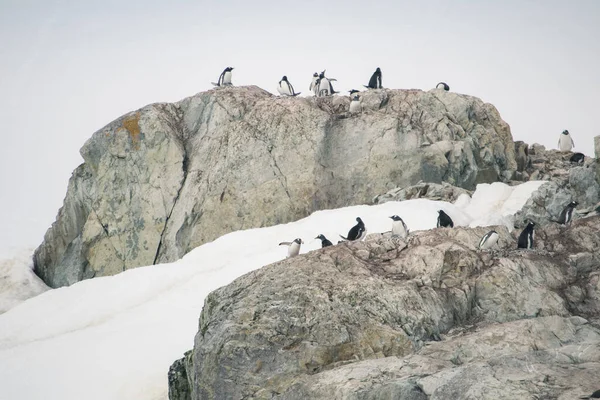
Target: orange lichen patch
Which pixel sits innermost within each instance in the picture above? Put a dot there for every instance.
(132, 125)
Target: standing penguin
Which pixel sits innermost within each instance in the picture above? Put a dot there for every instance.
(566, 216)
(526, 237)
(565, 141)
(314, 84)
(324, 241)
(355, 106)
(224, 78)
(357, 232)
(293, 247)
(399, 228)
(285, 88)
(488, 240)
(325, 86)
(375, 81)
(443, 85)
(444, 220)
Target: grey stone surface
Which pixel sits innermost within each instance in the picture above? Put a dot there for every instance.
(430, 317)
(433, 191)
(162, 180)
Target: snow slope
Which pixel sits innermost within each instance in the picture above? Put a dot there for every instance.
(115, 337)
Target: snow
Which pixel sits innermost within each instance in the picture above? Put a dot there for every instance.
(115, 337)
(18, 282)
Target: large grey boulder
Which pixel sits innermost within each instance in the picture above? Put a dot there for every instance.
(162, 180)
(430, 317)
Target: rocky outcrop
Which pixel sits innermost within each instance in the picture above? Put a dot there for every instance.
(433, 191)
(162, 180)
(430, 318)
(567, 181)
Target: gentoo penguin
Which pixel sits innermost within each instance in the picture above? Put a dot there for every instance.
(324, 241)
(566, 216)
(285, 88)
(224, 78)
(595, 395)
(565, 141)
(355, 106)
(294, 247)
(375, 81)
(314, 84)
(526, 237)
(488, 240)
(399, 228)
(578, 158)
(325, 86)
(444, 220)
(357, 232)
(443, 85)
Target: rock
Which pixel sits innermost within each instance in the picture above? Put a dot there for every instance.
(179, 384)
(162, 180)
(432, 318)
(522, 155)
(433, 191)
(597, 147)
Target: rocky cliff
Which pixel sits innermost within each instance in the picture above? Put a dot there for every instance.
(428, 318)
(164, 179)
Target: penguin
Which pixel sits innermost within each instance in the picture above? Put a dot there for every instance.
(443, 85)
(526, 237)
(375, 81)
(578, 158)
(399, 228)
(355, 106)
(595, 395)
(314, 84)
(224, 78)
(488, 240)
(444, 220)
(285, 88)
(294, 247)
(357, 232)
(566, 216)
(565, 141)
(324, 241)
(325, 86)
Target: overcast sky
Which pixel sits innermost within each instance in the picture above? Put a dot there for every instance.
(67, 68)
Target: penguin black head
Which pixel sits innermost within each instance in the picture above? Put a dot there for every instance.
(565, 132)
(378, 70)
(396, 218)
(531, 224)
(315, 74)
(356, 97)
(573, 204)
(320, 237)
(359, 220)
(284, 78)
(322, 74)
(298, 240)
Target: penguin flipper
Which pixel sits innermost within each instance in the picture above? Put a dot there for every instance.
(296, 94)
(215, 84)
(285, 243)
(344, 238)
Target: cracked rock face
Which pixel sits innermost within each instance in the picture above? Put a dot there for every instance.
(162, 180)
(427, 318)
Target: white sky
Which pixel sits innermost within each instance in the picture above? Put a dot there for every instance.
(67, 68)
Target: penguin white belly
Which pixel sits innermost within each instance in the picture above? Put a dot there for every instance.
(227, 78)
(280, 89)
(294, 249)
(355, 106)
(324, 87)
(565, 143)
(490, 241)
(398, 229)
(313, 86)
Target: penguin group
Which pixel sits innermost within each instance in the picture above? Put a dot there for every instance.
(320, 86)
(399, 229)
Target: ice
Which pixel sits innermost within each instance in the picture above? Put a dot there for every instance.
(115, 337)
